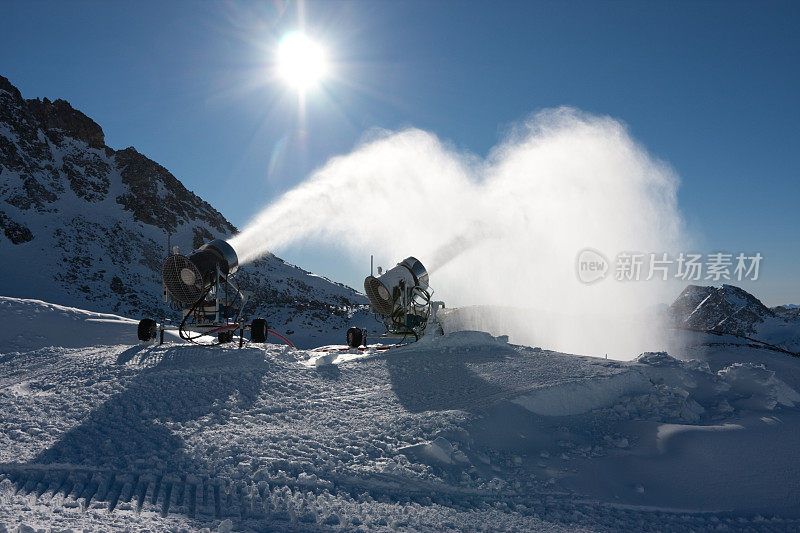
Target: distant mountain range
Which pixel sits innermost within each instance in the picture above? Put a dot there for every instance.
(732, 310)
(84, 225)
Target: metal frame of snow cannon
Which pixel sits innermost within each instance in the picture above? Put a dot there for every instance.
(400, 298)
(201, 286)
(212, 313)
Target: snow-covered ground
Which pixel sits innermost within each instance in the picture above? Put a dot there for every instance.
(461, 432)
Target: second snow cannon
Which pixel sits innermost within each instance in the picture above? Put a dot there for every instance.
(386, 291)
(401, 298)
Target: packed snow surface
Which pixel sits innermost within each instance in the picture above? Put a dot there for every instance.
(460, 432)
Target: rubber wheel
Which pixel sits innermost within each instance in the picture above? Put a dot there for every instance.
(258, 330)
(355, 337)
(147, 329)
(225, 336)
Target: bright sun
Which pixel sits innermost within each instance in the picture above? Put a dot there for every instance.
(301, 61)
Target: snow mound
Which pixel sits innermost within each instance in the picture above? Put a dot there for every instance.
(33, 324)
(668, 431)
(580, 397)
(438, 451)
(662, 359)
(659, 386)
(753, 386)
(460, 341)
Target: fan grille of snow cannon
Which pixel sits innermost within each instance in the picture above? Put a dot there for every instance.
(187, 278)
(183, 279)
(378, 295)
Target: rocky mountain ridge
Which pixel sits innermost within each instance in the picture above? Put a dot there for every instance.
(84, 225)
(732, 310)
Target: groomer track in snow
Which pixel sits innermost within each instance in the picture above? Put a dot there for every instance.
(464, 432)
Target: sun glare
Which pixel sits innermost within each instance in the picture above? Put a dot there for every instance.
(301, 62)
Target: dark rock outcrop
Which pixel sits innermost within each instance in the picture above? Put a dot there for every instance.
(156, 197)
(58, 120)
(16, 233)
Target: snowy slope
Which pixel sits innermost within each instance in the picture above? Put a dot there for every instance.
(461, 432)
(86, 226)
(33, 324)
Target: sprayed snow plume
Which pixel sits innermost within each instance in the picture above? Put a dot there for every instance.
(501, 232)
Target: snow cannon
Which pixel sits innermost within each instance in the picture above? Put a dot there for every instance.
(188, 278)
(401, 300)
(201, 286)
(386, 291)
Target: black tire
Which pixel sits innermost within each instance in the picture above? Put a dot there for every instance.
(355, 337)
(225, 336)
(147, 329)
(258, 330)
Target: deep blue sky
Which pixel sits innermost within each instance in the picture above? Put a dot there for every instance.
(710, 87)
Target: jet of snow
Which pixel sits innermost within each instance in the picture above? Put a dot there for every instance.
(503, 231)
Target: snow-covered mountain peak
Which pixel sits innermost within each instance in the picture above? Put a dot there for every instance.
(732, 310)
(725, 308)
